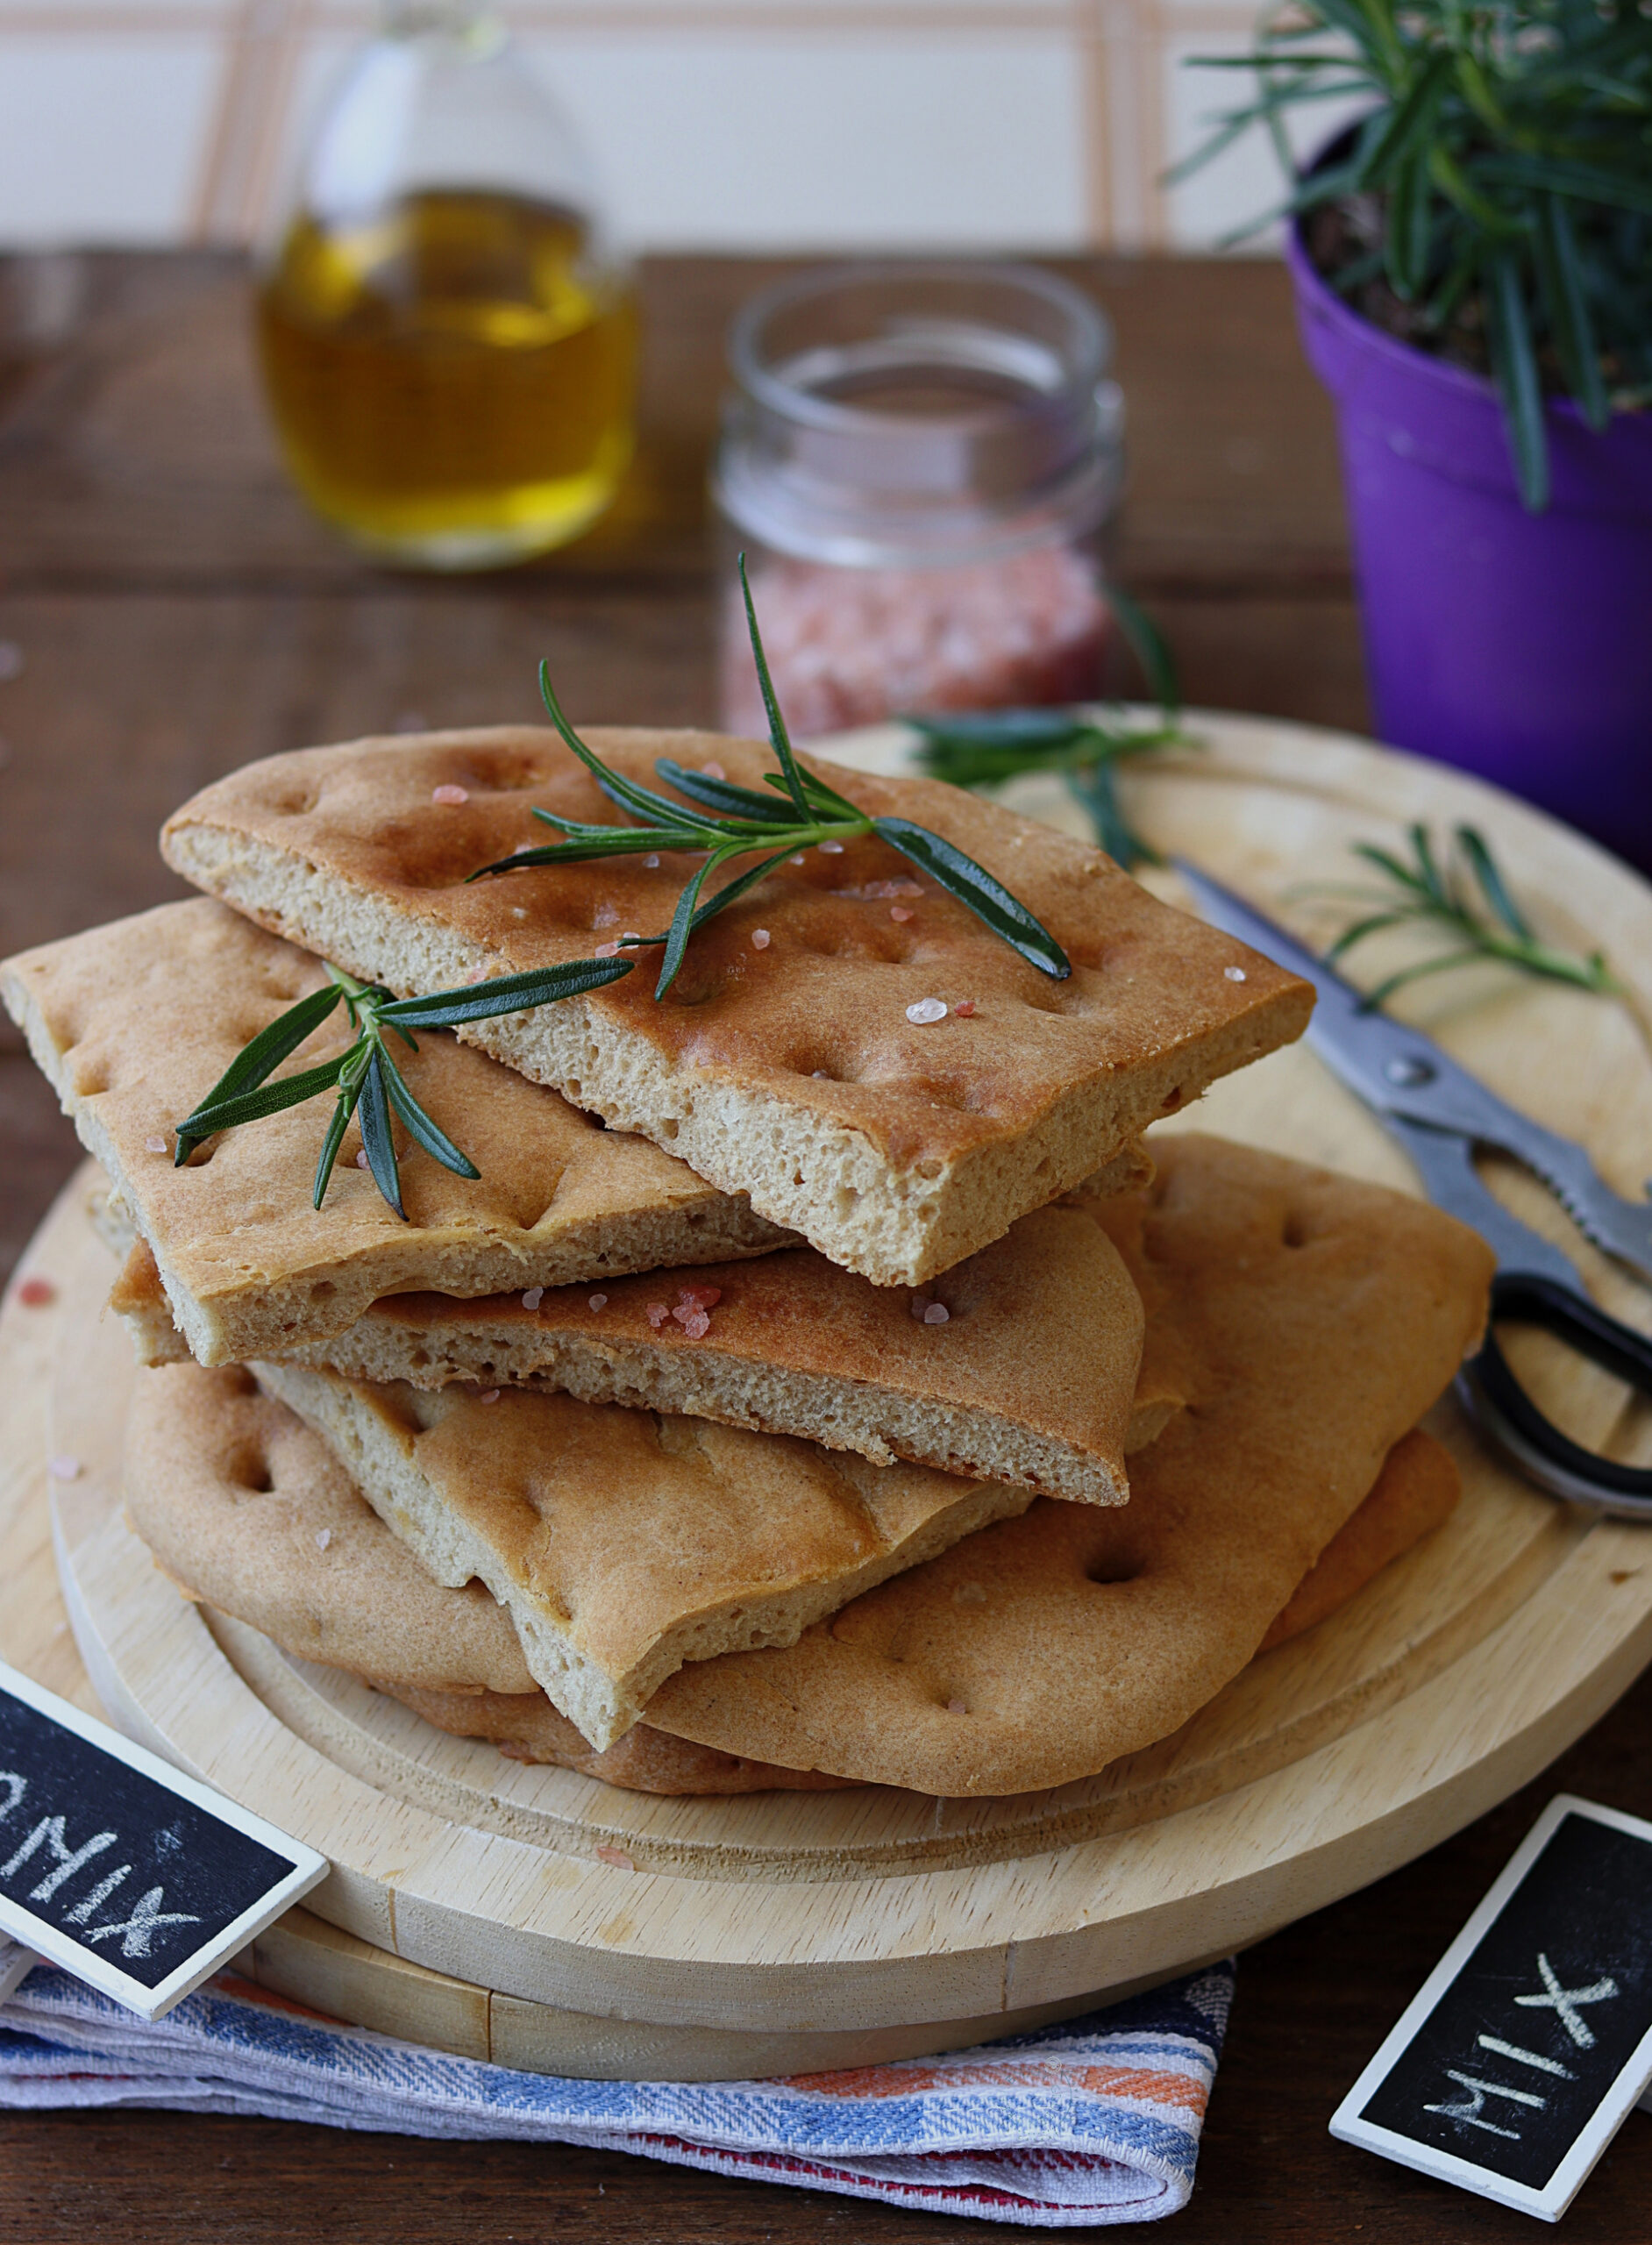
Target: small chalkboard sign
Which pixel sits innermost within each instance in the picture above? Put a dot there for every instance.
(135, 1879)
(1514, 2064)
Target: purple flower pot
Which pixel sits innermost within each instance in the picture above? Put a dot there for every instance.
(1514, 645)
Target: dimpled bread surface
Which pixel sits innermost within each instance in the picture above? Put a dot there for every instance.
(243, 1506)
(1312, 1319)
(133, 1022)
(622, 1542)
(788, 1068)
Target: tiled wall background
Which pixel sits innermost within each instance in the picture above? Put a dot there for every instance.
(715, 123)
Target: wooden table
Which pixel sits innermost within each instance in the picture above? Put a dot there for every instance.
(177, 612)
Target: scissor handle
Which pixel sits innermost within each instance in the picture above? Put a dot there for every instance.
(1501, 1405)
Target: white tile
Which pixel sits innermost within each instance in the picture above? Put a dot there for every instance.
(805, 142)
(101, 140)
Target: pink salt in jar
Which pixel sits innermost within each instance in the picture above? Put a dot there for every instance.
(920, 463)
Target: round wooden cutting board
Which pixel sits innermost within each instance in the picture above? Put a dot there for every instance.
(549, 1921)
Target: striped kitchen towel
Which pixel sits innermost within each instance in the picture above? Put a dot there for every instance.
(1094, 2120)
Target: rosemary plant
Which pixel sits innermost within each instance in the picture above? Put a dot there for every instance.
(726, 822)
(1467, 896)
(1496, 198)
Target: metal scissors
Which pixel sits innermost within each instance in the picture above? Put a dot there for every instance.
(1439, 1114)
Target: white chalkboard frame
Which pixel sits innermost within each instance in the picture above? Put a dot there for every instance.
(1627, 2088)
(56, 1947)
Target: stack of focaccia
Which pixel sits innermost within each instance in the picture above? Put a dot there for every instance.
(820, 1385)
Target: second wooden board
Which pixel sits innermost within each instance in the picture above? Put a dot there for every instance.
(1449, 1681)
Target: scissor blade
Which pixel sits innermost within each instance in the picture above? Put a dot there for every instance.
(1399, 1071)
(1445, 1162)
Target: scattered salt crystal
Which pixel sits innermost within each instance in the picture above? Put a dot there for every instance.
(652, 861)
(449, 795)
(154, 1146)
(968, 1593)
(956, 1708)
(936, 1314)
(760, 939)
(64, 1469)
(899, 912)
(616, 1857)
(518, 911)
(695, 1322)
(964, 1008)
(1234, 973)
(361, 1160)
(607, 951)
(11, 659)
(701, 1297)
(714, 771)
(826, 1073)
(797, 861)
(522, 848)
(34, 1293)
(924, 1010)
(599, 1301)
(323, 1538)
(831, 849)
(532, 1299)
(658, 1313)
(478, 974)
(488, 1395)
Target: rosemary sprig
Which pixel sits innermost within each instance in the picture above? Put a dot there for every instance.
(364, 1076)
(984, 750)
(1468, 896)
(727, 821)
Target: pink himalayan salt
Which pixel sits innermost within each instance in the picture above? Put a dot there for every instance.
(154, 1146)
(35, 1294)
(488, 1395)
(323, 1536)
(617, 1857)
(936, 1314)
(599, 1301)
(361, 1160)
(658, 1312)
(606, 950)
(849, 647)
(923, 1011)
(760, 938)
(695, 1322)
(533, 1297)
(899, 912)
(714, 771)
(64, 1469)
(448, 795)
(701, 1297)
(964, 1008)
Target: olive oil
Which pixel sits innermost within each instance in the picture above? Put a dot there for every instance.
(451, 378)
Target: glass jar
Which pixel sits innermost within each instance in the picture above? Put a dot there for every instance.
(448, 339)
(920, 462)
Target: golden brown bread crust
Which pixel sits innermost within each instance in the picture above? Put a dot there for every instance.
(1312, 1320)
(133, 1022)
(789, 1071)
(1029, 1380)
(244, 1506)
(1416, 1491)
(622, 1542)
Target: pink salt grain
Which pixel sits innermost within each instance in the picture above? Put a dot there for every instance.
(488, 1395)
(701, 1297)
(936, 1314)
(607, 951)
(448, 795)
(154, 1146)
(658, 1313)
(925, 1010)
(599, 1301)
(361, 1160)
(617, 1857)
(64, 1469)
(324, 1538)
(652, 861)
(899, 912)
(34, 1293)
(478, 974)
(831, 849)
(532, 1299)
(760, 939)
(695, 1322)
(956, 1708)
(1234, 973)
(714, 771)
(965, 1009)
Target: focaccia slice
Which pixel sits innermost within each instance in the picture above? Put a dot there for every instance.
(887, 1078)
